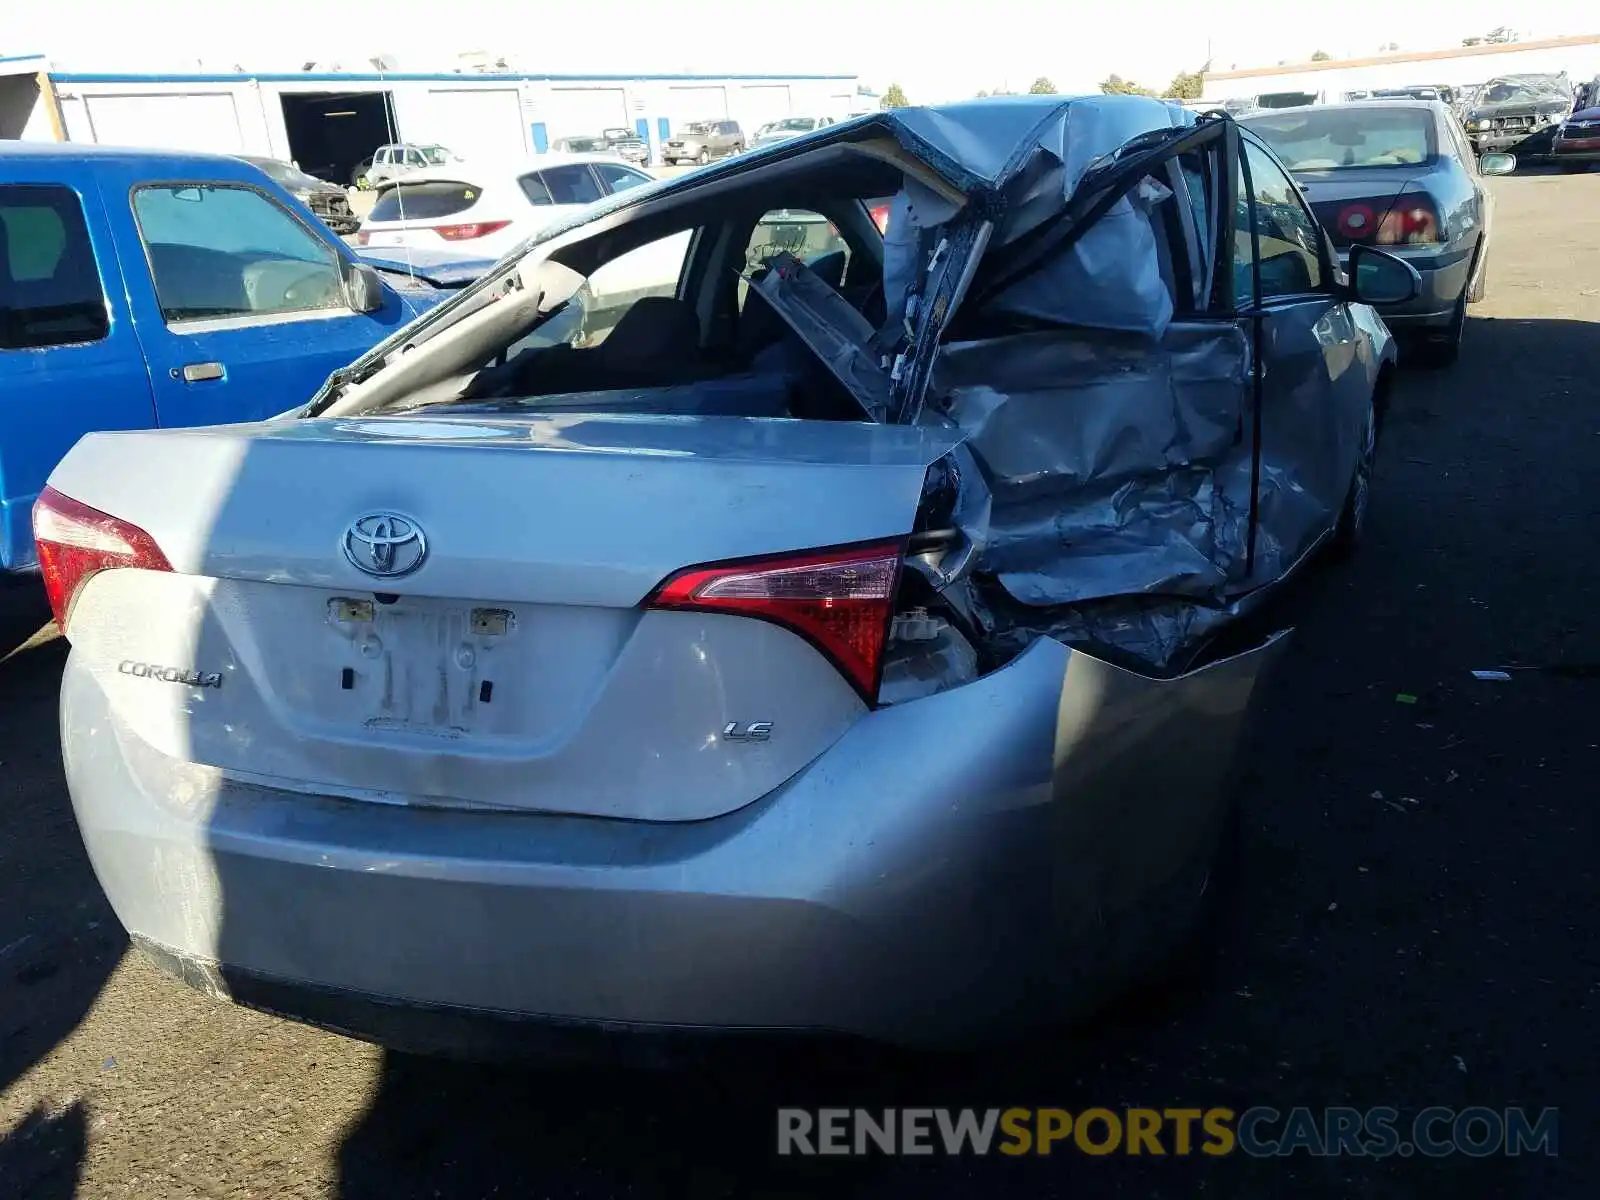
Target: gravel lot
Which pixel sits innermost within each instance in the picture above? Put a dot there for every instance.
(1417, 921)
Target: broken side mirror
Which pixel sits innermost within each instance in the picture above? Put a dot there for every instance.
(363, 290)
(1497, 164)
(1378, 277)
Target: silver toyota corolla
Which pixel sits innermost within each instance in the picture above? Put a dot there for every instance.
(855, 642)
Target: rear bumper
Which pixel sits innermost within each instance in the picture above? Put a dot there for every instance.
(968, 865)
(1576, 149)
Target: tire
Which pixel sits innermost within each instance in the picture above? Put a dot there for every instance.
(1353, 516)
(1436, 354)
(703, 157)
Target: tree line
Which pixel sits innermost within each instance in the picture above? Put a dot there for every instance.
(1185, 85)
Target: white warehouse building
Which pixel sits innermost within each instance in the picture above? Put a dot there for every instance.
(1460, 66)
(328, 122)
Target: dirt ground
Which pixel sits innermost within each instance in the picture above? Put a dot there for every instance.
(1416, 926)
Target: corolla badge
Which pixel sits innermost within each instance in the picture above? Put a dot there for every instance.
(385, 544)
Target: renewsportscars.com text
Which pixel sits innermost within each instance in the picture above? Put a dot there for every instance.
(1259, 1132)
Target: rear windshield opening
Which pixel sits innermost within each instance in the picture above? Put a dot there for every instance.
(424, 201)
(1349, 137)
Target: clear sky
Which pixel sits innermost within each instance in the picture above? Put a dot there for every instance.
(935, 51)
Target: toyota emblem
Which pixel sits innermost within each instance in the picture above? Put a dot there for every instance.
(385, 544)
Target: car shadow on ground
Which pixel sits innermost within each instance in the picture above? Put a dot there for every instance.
(59, 941)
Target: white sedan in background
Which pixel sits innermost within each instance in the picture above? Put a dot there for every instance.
(484, 209)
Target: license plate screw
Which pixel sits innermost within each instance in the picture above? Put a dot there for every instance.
(492, 621)
(351, 610)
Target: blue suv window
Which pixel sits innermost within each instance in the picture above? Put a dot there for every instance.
(50, 290)
(221, 252)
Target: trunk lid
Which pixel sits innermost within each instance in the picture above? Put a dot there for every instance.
(512, 665)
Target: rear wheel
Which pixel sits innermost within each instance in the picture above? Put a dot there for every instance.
(1442, 349)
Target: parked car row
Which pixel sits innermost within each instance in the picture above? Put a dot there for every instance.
(702, 141)
(409, 756)
(620, 143)
(1527, 115)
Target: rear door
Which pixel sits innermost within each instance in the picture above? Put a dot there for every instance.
(69, 360)
(1315, 388)
(558, 192)
(237, 298)
(614, 177)
(1471, 221)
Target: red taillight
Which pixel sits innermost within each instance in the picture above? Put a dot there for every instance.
(880, 218)
(1412, 221)
(839, 600)
(465, 233)
(76, 542)
(1357, 221)
(1403, 220)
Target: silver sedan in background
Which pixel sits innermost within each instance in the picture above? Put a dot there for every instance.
(1401, 175)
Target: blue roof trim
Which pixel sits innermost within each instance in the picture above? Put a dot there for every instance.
(403, 77)
(9, 58)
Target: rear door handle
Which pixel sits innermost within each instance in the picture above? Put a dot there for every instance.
(199, 372)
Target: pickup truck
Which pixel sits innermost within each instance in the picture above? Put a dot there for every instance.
(143, 289)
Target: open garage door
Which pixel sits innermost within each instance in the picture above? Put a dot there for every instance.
(759, 103)
(701, 103)
(572, 112)
(477, 123)
(330, 132)
(196, 121)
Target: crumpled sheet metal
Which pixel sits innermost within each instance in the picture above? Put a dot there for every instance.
(1034, 157)
(991, 140)
(1117, 474)
(1110, 278)
(1085, 131)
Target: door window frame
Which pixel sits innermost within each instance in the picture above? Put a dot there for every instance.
(594, 178)
(606, 189)
(1324, 288)
(94, 258)
(241, 320)
(1462, 144)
